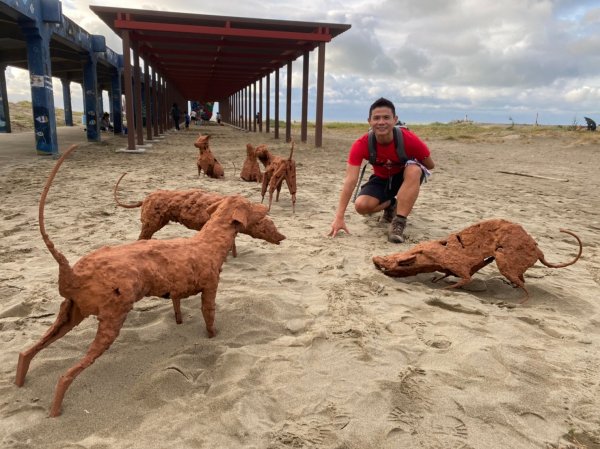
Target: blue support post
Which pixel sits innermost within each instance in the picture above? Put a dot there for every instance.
(115, 98)
(90, 98)
(66, 87)
(4, 110)
(42, 98)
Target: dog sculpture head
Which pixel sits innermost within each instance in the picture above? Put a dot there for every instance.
(423, 258)
(202, 142)
(251, 218)
(263, 154)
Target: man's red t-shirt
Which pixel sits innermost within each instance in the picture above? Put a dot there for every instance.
(414, 148)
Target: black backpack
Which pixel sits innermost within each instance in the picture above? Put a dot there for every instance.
(399, 143)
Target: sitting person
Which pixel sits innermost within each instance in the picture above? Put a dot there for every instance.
(105, 123)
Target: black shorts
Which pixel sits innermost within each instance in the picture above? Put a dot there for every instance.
(384, 189)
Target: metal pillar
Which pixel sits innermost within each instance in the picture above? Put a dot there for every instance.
(115, 99)
(304, 119)
(268, 105)
(90, 98)
(4, 109)
(66, 88)
(128, 90)
(276, 134)
(42, 98)
(288, 104)
(148, 100)
(320, 88)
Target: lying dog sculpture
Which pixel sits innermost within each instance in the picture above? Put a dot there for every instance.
(276, 170)
(464, 253)
(191, 209)
(207, 162)
(108, 281)
(251, 169)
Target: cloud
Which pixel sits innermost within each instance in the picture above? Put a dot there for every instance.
(433, 58)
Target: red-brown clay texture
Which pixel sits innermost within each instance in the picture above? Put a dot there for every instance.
(206, 161)
(107, 282)
(464, 253)
(277, 169)
(251, 169)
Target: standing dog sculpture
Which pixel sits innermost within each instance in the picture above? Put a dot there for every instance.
(207, 162)
(107, 282)
(464, 253)
(276, 170)
(190, 208)
(251, 168)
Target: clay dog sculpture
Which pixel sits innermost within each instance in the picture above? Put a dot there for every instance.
(277, 169)
(190, 208)
(251, 168)
(207, 162)
(108, 281)
(464, 253)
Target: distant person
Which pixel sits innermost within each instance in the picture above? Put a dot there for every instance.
(194, 117)
(187, 120)
(105, 124)
(395, 185)
(175, 115)
(219, 118)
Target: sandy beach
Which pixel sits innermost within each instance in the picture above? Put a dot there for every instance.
(315, 347)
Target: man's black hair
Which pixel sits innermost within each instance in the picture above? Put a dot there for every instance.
(382, 103)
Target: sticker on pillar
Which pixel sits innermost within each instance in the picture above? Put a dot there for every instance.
(37, 81)
(48, 82)
(92, 122)
(89, 92)
(42, 126)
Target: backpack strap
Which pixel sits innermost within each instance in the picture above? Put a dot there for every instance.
(398, 141)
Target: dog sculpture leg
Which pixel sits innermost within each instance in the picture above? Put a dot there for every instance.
(108, 331)
(513, 272)
(209, 295)
(68, 317)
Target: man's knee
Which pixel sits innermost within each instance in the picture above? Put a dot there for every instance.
(412, 173)
(364, 204)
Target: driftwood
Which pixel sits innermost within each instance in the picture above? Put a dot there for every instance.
(206, 161)
(533, 176)
(277, 169)
(107, 282)
(251, 169)
(464, 253)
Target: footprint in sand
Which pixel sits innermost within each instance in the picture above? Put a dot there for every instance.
(437, 341)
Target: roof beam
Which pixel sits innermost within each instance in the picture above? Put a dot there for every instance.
(220, 31)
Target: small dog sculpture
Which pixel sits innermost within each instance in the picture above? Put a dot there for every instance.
(251, 168)
(191, 209)
(464, 253)
(276, 170)
(108, 281)
(207, 162)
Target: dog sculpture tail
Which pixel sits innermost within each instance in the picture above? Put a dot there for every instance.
(127, 206)
(63, 263)
(561, 265)
(291, 152)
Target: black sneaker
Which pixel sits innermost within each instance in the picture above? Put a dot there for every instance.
(397, 229)
(389, 213)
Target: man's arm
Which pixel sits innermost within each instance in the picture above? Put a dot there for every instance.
(428, 163)
(350, 180)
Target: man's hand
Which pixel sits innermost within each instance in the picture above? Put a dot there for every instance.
(337, 226)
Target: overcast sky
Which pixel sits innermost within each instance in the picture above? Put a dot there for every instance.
(437, 60)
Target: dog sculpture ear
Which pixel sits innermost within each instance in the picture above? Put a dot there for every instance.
(408, 259)
(240, 215)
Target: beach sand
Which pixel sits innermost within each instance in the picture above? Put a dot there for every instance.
(315, 347)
